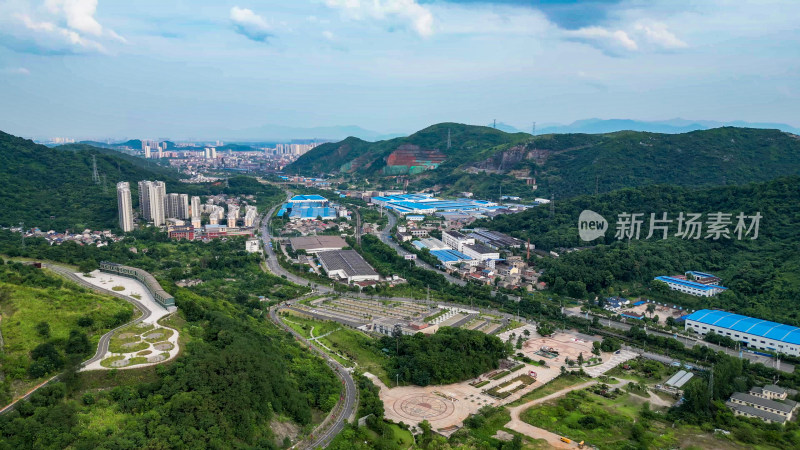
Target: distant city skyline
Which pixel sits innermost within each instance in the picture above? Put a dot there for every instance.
(221, 69)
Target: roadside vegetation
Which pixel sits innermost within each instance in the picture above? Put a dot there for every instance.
(48, 324)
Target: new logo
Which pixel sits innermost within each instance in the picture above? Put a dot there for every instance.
(591, 225)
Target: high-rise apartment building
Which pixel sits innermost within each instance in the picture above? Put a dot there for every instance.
(250, 214)
(152, 200)
(183, 209)
(233, 214)
(124, 205)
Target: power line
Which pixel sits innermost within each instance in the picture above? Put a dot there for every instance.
(95, 176)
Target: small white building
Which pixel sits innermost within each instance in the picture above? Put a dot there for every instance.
(456, 240)
(253, 246)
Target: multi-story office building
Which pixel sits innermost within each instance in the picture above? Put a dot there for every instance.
(124, 205)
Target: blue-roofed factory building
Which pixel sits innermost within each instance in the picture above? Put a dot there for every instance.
(310, 207)
(691, 287)
(450, 258)
(751, 332)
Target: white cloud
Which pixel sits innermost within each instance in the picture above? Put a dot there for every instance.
(610, 41)
(417, 16)
(16, 71)
(79, 16)
(658, 34)
(328, 35)
(52, 35)
(250, 24)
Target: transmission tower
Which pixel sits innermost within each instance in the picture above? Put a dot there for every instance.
(494, 124)
(104, 183)
(95, 176)
(552, 206)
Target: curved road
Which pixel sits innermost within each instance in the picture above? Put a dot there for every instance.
(102, 345)
(346, 408)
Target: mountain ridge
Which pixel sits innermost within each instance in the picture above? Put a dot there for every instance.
(564, 165)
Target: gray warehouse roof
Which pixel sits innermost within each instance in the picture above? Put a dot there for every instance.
(763, 402)
(766, 415)
(347, 260)
(317, 242)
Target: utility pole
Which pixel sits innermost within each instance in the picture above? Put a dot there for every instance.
(494, 124)
(22, 230)
(448, 138)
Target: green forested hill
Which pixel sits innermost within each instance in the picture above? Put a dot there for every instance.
(368, 158)
(568, 165)
(763, 274)
(37, 182)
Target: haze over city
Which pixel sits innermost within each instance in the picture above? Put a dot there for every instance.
(221, 69)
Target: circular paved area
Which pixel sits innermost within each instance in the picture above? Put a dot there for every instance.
(422, 406)
(163, 346)
(154, 335)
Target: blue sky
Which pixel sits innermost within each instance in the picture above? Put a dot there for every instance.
(195, 68)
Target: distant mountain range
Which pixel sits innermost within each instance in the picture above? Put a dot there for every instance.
(672, 126)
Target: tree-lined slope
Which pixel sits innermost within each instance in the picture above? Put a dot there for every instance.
(567, 165)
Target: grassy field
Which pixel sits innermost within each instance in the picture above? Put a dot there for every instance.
(557, 384)
(61, 308)
(356, 346)
(402, 437)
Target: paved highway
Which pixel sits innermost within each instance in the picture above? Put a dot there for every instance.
(346, 408)
(348, 403)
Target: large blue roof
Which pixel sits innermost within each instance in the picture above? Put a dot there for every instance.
(308, 198)
(449, 255)
(744, 324)
(688, 283)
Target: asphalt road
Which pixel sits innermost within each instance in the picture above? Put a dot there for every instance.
(324, 434)
(102, 345)
(384, 236)
(348, 403)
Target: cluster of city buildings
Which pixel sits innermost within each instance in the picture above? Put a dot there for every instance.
(86, 237)
(475, 255)
(422, 203)
(338, 262)
(183, 215)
